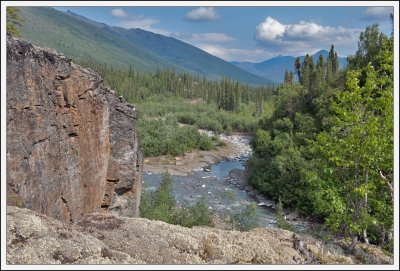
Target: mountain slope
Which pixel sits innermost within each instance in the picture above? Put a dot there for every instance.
(275, 67)
(84, 39)
(79, 40)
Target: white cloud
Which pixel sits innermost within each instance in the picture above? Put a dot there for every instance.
(269, 30)
(302, 37)
(202, 14)
(204, 37)
(138, 21)
(119, 12)
(232, 54)
(377, 13)
(149, 24)
(145, 24)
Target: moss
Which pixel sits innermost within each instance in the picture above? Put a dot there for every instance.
(15, 200)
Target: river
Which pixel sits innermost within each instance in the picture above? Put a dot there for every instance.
(222, 185)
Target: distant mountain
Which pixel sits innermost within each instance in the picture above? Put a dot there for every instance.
(274, 68)
(83, 39)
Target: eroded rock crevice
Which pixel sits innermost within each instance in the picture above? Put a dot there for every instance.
(67, 207)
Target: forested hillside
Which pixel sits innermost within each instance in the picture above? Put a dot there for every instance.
(327, 150)
(81, 39)
(166, 98)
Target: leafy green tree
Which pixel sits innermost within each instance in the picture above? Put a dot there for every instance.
(355, 150)
(327, 149)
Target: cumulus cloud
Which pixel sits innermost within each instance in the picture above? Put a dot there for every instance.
(377, 13)
(232, 54)
(302, 37)
(119, 13)
(202, 14)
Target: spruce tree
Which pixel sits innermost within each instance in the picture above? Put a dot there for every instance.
(297, 66)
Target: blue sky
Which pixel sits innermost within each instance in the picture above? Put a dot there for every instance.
(249, 33)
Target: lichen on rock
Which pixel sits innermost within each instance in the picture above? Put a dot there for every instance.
(108, 238)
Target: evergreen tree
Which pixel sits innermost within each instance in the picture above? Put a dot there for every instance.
(307, 70)
(286, 78)
(355, 187)
(297, 67)
(368, 47)
(332, 65)
(319, 76)
(291, 77)
(237, 97)
(13, 19)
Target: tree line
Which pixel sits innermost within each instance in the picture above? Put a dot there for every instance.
(136, 87)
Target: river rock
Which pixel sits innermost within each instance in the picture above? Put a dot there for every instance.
(293, 216)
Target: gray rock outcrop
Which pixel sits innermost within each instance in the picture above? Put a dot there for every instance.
(102, 238)
(72, 147)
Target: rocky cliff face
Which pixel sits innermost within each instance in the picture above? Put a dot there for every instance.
(71, 144)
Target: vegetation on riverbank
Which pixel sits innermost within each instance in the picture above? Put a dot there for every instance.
(161, 205)
(165, 98)
(327, 150)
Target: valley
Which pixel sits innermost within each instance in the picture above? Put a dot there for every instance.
(136, 147)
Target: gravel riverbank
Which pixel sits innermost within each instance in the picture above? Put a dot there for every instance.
(236, 147)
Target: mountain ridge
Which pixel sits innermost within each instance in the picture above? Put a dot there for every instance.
(275, 67)
(83, 39)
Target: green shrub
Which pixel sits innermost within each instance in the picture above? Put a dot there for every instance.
(280, 218)
(195, 215)
(164, 136)
(245, 219)
(161, 205)
(228, 195)
(204, 143)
